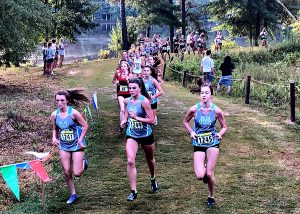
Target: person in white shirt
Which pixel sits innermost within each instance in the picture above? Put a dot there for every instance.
(61, 49)
(207, 67)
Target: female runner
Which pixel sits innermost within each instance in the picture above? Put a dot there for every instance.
(205, 138)
(139, 117)
(153, 88)
(69, 129)
(121, 79)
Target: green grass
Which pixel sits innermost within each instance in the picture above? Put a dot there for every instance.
(256, 172)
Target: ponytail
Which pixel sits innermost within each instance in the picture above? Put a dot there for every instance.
(74, 96)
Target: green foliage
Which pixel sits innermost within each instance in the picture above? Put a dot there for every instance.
(72, 17)
(23, 23)
(103, 54)
(270, 71)
(149, 12)
(134, 26)
(226, 45)
(246, 18)
(115, 39)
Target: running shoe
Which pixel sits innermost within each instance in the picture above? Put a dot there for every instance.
(132, 196)
(85, 163)
(210, 201)
(205, 179)
(72, 199)
(154, 185)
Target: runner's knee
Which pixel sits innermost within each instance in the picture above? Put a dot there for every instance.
(131, 162)
(199, 176)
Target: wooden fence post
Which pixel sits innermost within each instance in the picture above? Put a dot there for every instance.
(292, 98)
(247, 96)
(184, 78)
(164, 71)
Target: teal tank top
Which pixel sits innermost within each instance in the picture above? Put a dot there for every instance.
(69, 132)
(205, 128)
(137, 129)
(150, 88)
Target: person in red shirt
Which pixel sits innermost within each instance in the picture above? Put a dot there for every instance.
(121, 79)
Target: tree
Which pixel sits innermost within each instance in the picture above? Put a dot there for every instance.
(172, 29)
(148, 12)
(247, 17)
(183, 17)
(156, 12)
(71, 17)
(125, 45)
(23, 24)
(115, 39)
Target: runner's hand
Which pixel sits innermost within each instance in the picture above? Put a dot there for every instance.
(193, 135)
(219, 136)
(80, 144)
(132, 114)
(55, 142)
(123, 123)
(151, 99)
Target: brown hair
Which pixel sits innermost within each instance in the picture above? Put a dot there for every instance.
(153, 72)
(73, 96)
(209, 86)
(141, 85)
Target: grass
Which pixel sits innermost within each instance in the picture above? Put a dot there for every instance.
(257, 172)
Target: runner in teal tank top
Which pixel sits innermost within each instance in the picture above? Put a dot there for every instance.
(205, 138)
(153, 88)
(69, 132)
(135, 128)
(138, 117)
(69, 129)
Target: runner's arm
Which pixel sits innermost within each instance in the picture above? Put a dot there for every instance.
(125, 118)
(222, 122)
(115, 78)
(160, 90)
(76, 115)
(55, 141)
(150, 117)
(189, 115)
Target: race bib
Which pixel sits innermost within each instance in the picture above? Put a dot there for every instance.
(164, 48)
(67, 135)
(134, 124)
(205, 138)
(137, 66)
(150, 93)
(123, 88)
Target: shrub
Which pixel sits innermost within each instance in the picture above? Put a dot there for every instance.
(226, 44)
(103, 54)
(115, 43)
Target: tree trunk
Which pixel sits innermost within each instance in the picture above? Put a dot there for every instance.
(171, 33)
(46, 27)
(171, 38)
(183, 17)
(257, 28)
(123, 25)
(251, 37)
(148, 31)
